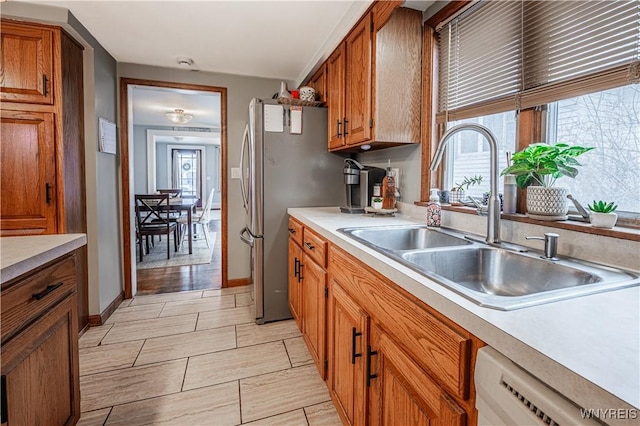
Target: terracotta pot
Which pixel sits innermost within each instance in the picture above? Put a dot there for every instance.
(547, 201)
(603, 220)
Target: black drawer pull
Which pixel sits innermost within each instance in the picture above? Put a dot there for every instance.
(370, 376)
(291, 230)
(49, 289)
(338, 128)
(300, 277)
(4, 416)
(47, 194)
(45, 85)
(309, 246)
(296, 267)
(354, 355)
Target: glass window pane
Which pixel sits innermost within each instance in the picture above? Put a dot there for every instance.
(610, 122)
(468, 152)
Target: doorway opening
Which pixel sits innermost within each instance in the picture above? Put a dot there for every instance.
(189, 157)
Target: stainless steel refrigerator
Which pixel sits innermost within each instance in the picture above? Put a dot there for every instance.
(281, 169)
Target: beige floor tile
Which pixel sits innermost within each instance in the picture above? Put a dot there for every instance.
(187, 344)
(324, 414)
(108, 357)
(280, 392)
(253, 334)
(244, 299)
(94, 418)
(131, 384)
(166, 297)
(145, 329)
(184, 307)
(93, 336)
(229, 290)
(222, 318)
(214, 405)
(125, 303)
(292, 418)
(135, 313)
(219, 367)
(298, 352)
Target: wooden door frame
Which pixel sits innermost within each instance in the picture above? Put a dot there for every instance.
(124, 164)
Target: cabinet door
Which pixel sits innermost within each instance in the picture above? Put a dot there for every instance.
(335, 97)
(347, 335)
(26, 64)
(358, 83)
(318, 82)
(40, 371)
(28, 176)
(314, 282)
(295, 281)
(401, 392)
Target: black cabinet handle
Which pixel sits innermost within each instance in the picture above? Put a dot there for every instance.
(370, 376)
(300, 265)
(49, 289)
(354, 355)
(338, 126)
(4, 416)
(296, 267)
(45, 85)
(47, 192)
(291, 230)
(309, 246)
(345, 121)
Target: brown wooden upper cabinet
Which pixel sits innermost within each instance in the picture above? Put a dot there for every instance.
(26, 67)
(374, 81)
(319, 82)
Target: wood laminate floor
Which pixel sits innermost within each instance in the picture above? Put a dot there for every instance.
(185, 278)
(198, 358)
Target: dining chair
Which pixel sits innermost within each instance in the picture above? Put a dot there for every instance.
(203, 219)
(152, 218)
(173, 193)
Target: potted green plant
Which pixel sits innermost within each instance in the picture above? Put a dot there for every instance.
(537, 167)
(458, 191)
(377, 203)
(602, 214)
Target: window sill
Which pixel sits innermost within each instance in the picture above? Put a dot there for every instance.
(620, 232)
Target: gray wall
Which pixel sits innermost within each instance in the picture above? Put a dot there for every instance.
(102, 170)
(240, 90)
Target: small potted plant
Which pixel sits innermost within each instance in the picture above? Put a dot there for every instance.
(458, 191)
(537, 167)
(602, 214)
(377, 203)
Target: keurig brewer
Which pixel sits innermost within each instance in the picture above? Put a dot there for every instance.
(359, 181)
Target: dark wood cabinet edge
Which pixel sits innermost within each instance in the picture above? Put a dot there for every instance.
(450, 10)
(374, 146)
(631, 234)
(95, 320)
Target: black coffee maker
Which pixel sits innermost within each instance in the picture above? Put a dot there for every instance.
(359, 181)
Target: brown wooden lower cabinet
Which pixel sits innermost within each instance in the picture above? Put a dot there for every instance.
(40, 374)
(314, 282)
(295, 281)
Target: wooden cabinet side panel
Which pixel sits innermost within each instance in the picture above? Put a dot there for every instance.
(319, 82)
(397, 91)
(294, 258)
(335, 78)
(358, 82)
(439, 349)
(26, 61)
(313, 308)
(28, 165)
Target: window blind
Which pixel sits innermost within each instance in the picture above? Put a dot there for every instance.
(499, 56)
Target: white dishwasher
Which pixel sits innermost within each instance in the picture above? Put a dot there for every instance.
(508, 395)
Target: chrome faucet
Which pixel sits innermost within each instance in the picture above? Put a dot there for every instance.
(493, 217)
(550, 245)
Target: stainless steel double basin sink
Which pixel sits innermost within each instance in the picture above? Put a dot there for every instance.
(488, 275)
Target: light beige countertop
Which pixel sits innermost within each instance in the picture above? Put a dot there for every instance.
(19, 255)
(587, 348)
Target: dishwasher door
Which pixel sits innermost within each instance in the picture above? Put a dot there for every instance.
(508, 395)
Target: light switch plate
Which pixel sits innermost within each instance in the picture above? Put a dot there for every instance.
(235, 173)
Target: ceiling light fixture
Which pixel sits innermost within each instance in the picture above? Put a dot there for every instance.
(185, 62)
(179, 117)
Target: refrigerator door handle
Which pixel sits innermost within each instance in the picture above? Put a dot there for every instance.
(245, 236)
(245, 140)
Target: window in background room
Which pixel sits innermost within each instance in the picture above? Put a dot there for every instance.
(608, 120)
(469, 153)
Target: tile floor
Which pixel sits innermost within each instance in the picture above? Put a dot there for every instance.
(197, 358)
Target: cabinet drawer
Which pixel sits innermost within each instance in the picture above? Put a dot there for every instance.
(25, 299)
(295, 230)
(315, 247)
